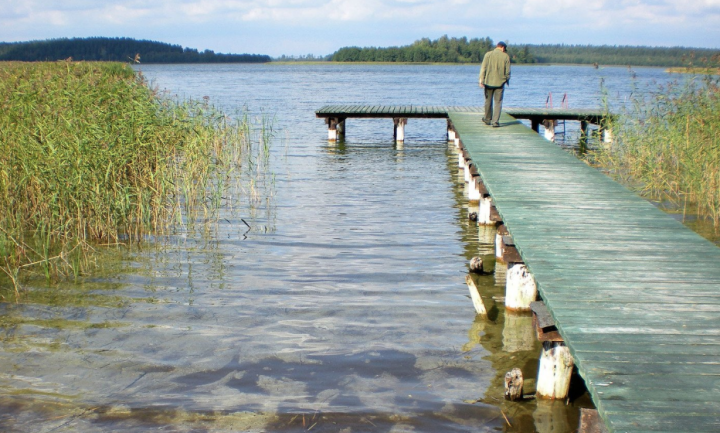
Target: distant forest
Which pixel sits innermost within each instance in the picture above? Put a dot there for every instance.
(464, 50)
(117, 49)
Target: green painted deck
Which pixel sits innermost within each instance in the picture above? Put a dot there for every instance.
(634, 293)
(422, 111)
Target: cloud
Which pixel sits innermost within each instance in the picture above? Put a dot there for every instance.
(241, 25)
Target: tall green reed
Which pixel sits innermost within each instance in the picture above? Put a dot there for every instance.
(669, 145)
(91, 155)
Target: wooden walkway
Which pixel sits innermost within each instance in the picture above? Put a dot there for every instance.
(634, 294)
(335, 115)
(423, 111)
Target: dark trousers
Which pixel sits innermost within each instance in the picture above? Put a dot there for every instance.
(493, 95)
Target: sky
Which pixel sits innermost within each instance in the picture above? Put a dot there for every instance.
(320, 27)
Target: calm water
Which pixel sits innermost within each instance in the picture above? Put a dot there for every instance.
(342, 309)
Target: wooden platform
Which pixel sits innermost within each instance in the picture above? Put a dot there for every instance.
(422, 111)
(635, 294)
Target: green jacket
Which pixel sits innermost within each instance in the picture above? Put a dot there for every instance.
(495, 69)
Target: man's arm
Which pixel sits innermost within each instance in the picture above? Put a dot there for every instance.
(482, 73)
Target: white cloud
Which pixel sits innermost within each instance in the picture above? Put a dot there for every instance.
(323, 23)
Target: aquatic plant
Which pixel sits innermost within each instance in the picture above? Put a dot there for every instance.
(669, 145)
(91, 155)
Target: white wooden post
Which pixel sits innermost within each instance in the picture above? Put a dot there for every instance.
(473, 190)
(556, 364)
(400, 123)
(485, 204)
(549, 126)
(607, 135)
(332, 123)
(520, 290)
(451, 134)
(457, 142)
(475, 296)
(498, 245)
(468, 171)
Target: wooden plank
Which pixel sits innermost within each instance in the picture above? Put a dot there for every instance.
(635, 295)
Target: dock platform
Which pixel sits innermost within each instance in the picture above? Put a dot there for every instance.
(634, 294)
(336, 115)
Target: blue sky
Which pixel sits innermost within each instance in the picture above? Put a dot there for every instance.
(299, 27)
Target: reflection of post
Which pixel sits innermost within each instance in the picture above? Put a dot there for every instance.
(551, 416)
(474, 333)
(400, 123)
(518, 332)
(486, 237)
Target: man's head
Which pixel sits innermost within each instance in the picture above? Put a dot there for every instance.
(502, 45)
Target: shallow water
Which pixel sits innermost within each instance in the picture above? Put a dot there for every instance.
(342, 308)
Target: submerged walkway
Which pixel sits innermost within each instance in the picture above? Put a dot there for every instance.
(634, 294)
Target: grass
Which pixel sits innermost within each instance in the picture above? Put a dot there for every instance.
(669, 146)
(90, 155)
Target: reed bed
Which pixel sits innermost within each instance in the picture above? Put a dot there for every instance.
(90, 155)
(669, 146)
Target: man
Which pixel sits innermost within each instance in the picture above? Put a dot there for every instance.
(494, 74)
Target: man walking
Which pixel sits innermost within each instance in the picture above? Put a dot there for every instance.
(494, 74)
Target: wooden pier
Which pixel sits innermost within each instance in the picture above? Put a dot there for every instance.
(633, 294)
(336, 115)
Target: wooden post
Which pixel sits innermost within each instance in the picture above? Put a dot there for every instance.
(468, 171)
(549, 126)
(520, 290)
(450, 131)
(514, 384)
(485, 205)
(473, 190)
(583, 137)
(336, 128)
(475, 296)
(400, 123)
(535, 123)
(499, 245)
(554, 371)
(607, 135)
(476, 265)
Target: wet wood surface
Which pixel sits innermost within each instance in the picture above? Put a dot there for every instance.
(634, 294)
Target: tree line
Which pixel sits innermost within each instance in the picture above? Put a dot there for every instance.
(441, 50)
(464, 50)
(117, 49)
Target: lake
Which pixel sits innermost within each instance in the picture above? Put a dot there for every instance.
(335, 303)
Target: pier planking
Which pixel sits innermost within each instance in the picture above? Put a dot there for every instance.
(634, 294)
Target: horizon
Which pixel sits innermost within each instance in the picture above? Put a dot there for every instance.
(320, 56)
(303, 27)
